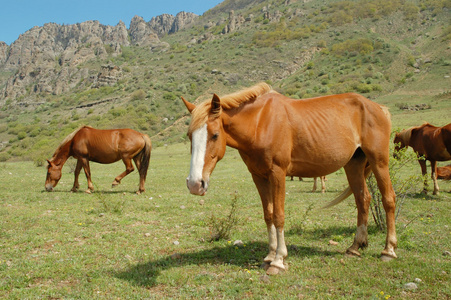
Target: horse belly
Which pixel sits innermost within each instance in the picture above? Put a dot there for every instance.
(320, 161)
(106, 158)
(309, 169)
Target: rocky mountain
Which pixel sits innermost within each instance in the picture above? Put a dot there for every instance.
(50, 58)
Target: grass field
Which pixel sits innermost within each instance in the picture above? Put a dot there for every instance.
(114, 244)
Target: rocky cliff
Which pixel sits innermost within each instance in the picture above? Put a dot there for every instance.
(50, 58)
(167, 24)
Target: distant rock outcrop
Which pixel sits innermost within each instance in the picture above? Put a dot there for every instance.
(108, 75)
(167, 24)
(3, 52)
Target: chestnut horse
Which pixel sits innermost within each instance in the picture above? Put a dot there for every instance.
(277, 136)
(444, 172)
(430, 143)
(102, 146)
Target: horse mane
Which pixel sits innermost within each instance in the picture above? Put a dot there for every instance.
(68, 138)
(200, 114)
(406, 134)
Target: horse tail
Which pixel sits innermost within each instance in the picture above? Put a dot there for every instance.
(347, 192)
(145, 156)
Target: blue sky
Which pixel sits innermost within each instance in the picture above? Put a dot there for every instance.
(18, 16)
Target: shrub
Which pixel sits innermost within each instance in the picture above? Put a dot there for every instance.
(21, 135)
(4, 156)
(138, 95)
(361, 46)
(220, 228)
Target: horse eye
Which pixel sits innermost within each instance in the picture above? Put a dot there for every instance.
(215, 136)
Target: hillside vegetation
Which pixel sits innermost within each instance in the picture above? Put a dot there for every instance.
(394, 52)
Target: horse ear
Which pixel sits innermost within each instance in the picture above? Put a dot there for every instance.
(189, 105)
(215, 105)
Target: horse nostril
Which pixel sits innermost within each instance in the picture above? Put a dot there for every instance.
(202, 182)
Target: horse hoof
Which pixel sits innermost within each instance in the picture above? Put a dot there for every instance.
(272, 270)
(265, 265)
(386, 257)
(88, 191)
(353, 253)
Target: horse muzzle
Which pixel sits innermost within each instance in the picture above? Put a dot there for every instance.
(49, 187)
(197, 187)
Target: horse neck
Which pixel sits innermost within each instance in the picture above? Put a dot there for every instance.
(62, 153)
(237, 134)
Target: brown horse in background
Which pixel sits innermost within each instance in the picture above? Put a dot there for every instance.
(277, 137)
(102, 146)
(430, 143)
(444, 172)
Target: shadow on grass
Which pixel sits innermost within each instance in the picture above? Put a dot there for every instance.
(147, 273)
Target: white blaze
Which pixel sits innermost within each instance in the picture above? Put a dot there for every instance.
(199, 147)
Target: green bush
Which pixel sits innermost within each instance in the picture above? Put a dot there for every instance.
(21, 135)
(4, 156)
(138, 95)
(360, 46)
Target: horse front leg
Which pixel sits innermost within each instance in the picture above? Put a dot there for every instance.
(128, 169)
(277, 195)
(434, 177)
(87, 169)
(422, 163)
(272, 194)
(76, 174)
(263, 190)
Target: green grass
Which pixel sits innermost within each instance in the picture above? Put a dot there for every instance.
(116, 244)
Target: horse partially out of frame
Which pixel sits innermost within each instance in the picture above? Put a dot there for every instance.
(102, 146)
(315, 183)
(277, 136)
(430, 143)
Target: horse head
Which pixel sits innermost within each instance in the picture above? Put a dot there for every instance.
(53, 175)
(208, 143)
(399, 144)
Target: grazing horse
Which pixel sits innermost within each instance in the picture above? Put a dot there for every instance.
(430, 143)
(277, 136)
(102, 146)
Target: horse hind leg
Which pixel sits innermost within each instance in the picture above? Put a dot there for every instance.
(142, 173)
(87, 169)
(381, 173)
(355, 172)
(128, 169)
